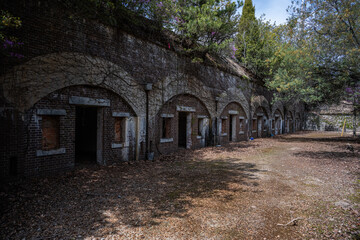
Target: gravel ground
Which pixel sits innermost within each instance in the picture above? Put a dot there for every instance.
(299, 186)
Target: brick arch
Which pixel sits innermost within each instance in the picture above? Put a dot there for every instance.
(260, 101)
(260, 109)
(233, 95)
(237, 103)
(26, 84)
(172, 86)
(291, 112)
(277, 106)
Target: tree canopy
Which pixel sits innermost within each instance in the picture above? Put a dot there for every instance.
(319, 55)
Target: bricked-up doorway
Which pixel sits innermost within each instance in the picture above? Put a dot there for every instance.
(182, 129)
(86, 134)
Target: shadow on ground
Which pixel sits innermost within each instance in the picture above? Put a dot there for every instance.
(339, 156)
(98, 201)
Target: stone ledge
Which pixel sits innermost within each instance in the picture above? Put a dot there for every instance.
(241, 132)
(41, 153)
(57, 112)
(185, 109)
(164, 115)
(119, 145)
(166, 140)
(121, 114)
(232, 112)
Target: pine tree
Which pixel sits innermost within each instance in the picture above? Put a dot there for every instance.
(248, 40)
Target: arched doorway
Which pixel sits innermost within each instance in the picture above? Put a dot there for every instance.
(260, 123)
(233, 123)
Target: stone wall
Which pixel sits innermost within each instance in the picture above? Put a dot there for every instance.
(331, 118)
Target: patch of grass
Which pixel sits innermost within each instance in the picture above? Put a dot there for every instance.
(312, 185)
(355, 198)
(174, 194)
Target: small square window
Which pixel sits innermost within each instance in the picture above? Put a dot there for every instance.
(223, 125)
(166, 128)
(119, 129)
(254, 124)
(50, 132)
(241, 125)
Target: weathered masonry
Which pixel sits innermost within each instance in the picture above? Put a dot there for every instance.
(86, 92)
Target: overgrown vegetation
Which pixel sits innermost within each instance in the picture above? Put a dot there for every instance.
(8, 43)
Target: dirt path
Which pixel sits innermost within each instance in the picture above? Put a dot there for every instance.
(241, 191)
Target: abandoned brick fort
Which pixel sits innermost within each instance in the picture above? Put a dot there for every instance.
(85, 91)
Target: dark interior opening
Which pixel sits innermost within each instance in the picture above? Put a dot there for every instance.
(85, 134)
(13, 166)
(230, 128)
(182, 129)
(259, 128)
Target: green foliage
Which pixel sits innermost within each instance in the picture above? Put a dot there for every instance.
(8, 21)
(255, 41)
(207, 25)
(318, 52)
(9, 44)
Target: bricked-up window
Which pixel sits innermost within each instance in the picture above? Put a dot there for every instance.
(242, 125)
(119, 129)
(50, 132)
(166, 128)
(223, 125)
(254, 125)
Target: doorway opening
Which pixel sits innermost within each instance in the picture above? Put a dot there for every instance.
(259, 130)
(231, 128)
(85, 134)
(182, 129)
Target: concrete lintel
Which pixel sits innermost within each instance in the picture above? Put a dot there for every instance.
(241, 132)
(116, 145)
(41, 153)
(185, 109)
(259, 114)
(58, 112)
(89, 101)
(233, 112)
(121, 114)
(224, 134)
(198, 137)
(164, 115)
(119, 145)
(224, 117)
(166, 140)
(202, 116)
(277, 115)
(253, 130)
(241, 117)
